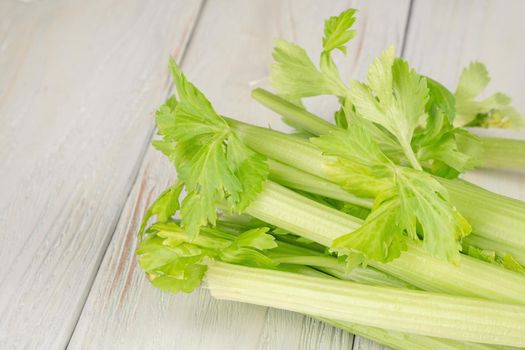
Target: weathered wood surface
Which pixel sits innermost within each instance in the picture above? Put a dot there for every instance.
(224, 59)
(78, 86)
(78, 83)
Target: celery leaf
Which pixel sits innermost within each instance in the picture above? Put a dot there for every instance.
(295, 76)
(493, 111)
(164, 207)
(174, 264)
(408, 202)
(337, 31)
(380, 238)
(395, 98)
(210, 159)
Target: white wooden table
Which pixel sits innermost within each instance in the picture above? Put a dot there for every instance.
(79, 83)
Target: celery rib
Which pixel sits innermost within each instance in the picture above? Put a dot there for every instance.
(501, 153)
(409, 311)
(492, 216)
(402, 341)
(293, 114)
(289, 210)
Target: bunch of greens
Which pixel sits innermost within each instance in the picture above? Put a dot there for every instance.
(364, 221)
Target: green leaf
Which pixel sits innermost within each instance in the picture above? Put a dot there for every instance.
(424, 201)
(510, 263)
(482, 254)
(493, 111)
(193, 276)
(164, 207)
(446, 150)
(380, 238)
(256, 238)
(405, 199)
(174, 264)
(337, 34)
(340, 119)
(249, 168)
(354, 145)
(360, 167)
(440, 100)
(210, 159)
(247, 249)
(337, 31)
(436, 144)
(507, 260)
(172, 268)
(395, 98)
(473, 80)
(294, 75)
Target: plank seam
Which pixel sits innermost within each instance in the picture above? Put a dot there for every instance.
(406, 31)
(135, 175)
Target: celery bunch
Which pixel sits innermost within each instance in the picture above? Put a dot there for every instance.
(363, 223)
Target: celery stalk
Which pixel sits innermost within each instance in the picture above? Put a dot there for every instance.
(299, 180)
(492, 216)
(291, 254)
(395, 340)
(402, 341)
(515, 216)
(416, 312)
(294, 115)
(288, 176)
(289, 210)
(501, 153)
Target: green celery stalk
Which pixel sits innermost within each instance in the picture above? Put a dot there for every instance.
(288, 176)
(416, 312)
(293, 114)
(289, 210)
(501, 153)
(287, 253)
(492, 216)
(297, 179)
(395, 340)
(402, 341)
(292, 177)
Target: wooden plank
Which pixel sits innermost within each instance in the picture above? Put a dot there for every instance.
(79, 82)
(445, 36)
(226, 57)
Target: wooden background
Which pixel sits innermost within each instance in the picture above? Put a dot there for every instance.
(79, 83)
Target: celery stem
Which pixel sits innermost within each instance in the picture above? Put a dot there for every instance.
(293, 114)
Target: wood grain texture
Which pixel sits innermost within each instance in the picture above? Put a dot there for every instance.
(226, 59)
(78, 84)
(444, 36)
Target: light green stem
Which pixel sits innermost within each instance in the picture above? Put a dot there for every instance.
(416, 312)
(299, 180)
(502, 153)
(293, 114)
(492, 216)
(289, 210)
(403, 341)
(498, 153)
